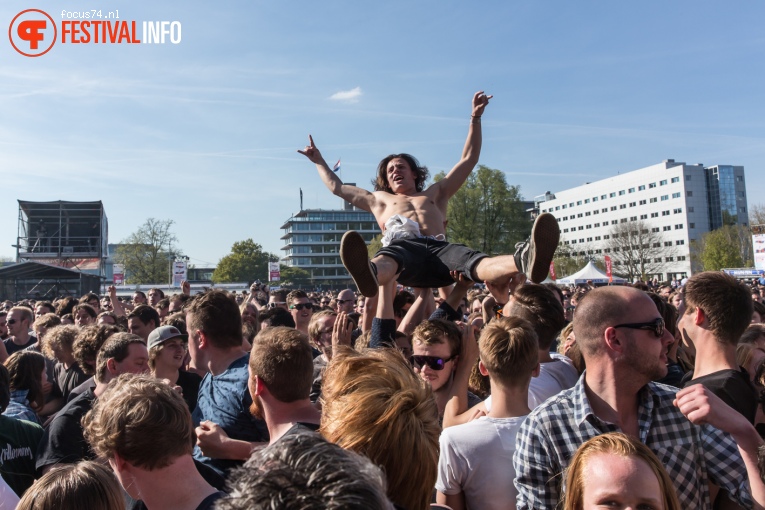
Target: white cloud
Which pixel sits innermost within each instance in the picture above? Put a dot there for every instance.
(348, 96)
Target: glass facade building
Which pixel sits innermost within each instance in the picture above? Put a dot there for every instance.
(726, 188)
(312, 242)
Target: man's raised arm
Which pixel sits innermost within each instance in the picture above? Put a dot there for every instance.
(359, 197)
(454, 180)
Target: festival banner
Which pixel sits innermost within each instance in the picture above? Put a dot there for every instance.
(180, 272)
(273, 272)
(758, 245)
(118, 276)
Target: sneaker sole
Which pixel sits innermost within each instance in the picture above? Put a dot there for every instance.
(545, 236)
(353, 253)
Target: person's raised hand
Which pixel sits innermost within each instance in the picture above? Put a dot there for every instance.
(480, 100)
(311, 152)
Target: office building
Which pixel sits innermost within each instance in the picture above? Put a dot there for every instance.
(670, 204)
(312, 242)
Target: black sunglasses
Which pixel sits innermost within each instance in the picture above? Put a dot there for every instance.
(11, 321)
(433, 362)
(341, 301)
(300, 306)
(656, 325)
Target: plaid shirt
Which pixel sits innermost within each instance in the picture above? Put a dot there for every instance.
(693, 455)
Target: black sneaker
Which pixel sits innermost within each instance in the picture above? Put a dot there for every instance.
(533, 256)
(353, 253)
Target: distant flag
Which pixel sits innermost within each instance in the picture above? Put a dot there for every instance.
(301, 199)
(336, 168)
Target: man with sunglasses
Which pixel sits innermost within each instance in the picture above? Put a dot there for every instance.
(436, 346)
(346, 301)
(19, 320)
(624, 343)
(301, 309)
(718, 309)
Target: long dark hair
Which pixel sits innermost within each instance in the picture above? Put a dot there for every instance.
(24, 369)
(420, 172)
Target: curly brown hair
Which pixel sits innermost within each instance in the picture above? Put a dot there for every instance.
(421, 173)
(87, 344)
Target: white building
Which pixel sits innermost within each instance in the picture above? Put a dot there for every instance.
(680, 201)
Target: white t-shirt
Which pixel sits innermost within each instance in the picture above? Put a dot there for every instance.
(554, 376)
(477, 459)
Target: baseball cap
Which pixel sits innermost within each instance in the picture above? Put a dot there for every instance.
(164, 333)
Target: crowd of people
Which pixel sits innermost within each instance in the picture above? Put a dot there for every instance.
(562, 397)
(506, 393)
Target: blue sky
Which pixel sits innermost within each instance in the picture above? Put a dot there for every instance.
(205, 132)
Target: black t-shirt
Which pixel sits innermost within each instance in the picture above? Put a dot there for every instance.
(18, 448)
(189, 383)
(732, 386)
(89, 384)
(67, 380)
(63, 441)
(209, 474)
(12, 346)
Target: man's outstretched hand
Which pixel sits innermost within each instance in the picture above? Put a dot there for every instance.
(480, 100)
(312, 153)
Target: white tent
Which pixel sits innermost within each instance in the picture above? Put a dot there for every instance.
(588, 272)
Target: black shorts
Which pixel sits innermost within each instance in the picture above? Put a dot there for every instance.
(424, 262)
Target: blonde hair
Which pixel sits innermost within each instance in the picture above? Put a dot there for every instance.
(375, 405)
(614, 443)
(74, 487)
(744, 355)
(509, 350)
(60, 338)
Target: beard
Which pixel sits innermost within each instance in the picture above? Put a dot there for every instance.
(256, 409)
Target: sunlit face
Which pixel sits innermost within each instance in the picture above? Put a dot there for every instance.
(758, 356)
(301, 315)
(137, 327)
(476, 307)
(136, 362)
(154, 297)
(16, 323)
(645, 353)
(138, 299)
(401, 177)
(614, 482)
(250, 314)
(677, 299)
(83, 318)
(345, 301)
(106, 319)
(171, 353)
(41, 310)
(324, 341)
(436, 378)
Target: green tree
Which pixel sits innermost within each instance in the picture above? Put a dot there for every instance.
(722, 248)
(487, 213)
(247, 262)
(146, 253)
(374, 246)
(292, 276)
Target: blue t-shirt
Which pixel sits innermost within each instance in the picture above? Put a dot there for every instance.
(225, 399)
